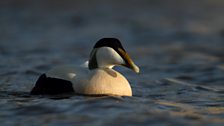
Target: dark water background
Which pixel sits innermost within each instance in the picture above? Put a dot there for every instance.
(178, 45)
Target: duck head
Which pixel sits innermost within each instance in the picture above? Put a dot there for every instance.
(109, 52)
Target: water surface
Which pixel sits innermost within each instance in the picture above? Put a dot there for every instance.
(178, 46)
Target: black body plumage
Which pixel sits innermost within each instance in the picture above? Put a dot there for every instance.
(51, 86)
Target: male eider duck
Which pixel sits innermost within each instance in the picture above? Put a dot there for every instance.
(97, 78)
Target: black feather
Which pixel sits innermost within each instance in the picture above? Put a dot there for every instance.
(51, 86)
(109, 42)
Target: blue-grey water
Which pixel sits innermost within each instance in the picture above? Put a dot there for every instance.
(178, 45)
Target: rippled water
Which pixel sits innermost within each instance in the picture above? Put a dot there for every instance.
(178, 46)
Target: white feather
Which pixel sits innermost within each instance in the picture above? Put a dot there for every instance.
(102, 80)
(107, 57)
(85, 64)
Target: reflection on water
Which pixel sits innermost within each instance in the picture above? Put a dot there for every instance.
(178, 46)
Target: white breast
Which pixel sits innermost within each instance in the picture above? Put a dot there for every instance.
(103, 82)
